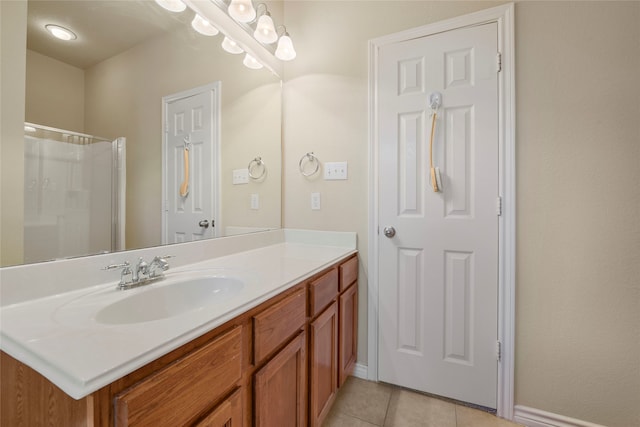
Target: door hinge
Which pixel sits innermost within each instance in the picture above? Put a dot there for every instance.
(499, 61)
(499, 351)
(499, 206)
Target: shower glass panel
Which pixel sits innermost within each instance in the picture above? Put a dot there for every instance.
(73, 194)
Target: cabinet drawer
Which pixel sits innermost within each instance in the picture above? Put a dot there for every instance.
(348, 273)
(186, 388)
(323, 290)
(227, 414)
(276, 324)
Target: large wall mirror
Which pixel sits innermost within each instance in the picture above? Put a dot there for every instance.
(110, 83)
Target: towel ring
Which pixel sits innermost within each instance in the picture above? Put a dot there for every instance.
(256, 163)
(311, 158)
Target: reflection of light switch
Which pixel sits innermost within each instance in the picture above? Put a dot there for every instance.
(240, 176)
(255, 201)
(315, 201)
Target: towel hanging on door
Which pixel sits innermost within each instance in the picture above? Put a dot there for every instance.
(435, 99)
(184, 188)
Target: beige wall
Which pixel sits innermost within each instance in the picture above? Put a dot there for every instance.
(578, 241)
(13, 36)
(54, 93)
(578, 163)
(124, 98)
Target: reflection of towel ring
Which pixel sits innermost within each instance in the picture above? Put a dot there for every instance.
(310, 159)
(255, 163)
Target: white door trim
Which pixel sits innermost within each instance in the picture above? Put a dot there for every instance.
(504, 16)
(215, 87)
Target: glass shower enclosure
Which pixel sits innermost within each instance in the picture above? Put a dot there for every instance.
(74, 194)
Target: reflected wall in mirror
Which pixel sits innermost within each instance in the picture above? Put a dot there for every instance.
(118, 93)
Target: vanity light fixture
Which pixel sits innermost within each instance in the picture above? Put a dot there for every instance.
(203, 26)
(231, 46)
(242, 10)
(265, 29)
(172, 5)
(250, 62)
(60, 32)
(285, 50)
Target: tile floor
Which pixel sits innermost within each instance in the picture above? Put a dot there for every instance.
(363, 403)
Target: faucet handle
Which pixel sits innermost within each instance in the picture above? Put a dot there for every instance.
(114, 266)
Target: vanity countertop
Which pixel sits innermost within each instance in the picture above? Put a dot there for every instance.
(58, 335)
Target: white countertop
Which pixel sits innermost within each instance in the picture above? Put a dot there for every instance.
(58, 335)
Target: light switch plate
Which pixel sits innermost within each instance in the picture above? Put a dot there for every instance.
(255, 201)
(335, 170)
(315, 201)
(240, 176)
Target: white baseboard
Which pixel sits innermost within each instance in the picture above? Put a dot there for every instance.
(532, 417)
(361, 371)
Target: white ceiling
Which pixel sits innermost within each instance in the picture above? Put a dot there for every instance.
(104, 28)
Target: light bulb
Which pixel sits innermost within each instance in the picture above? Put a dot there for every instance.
(251, 62)
(203, 26)
(60, 32)
(242, 10)
(231, 46)
(285, 50)
(265, 30)
(172, 5)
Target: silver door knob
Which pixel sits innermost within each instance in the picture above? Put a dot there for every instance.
(204, 223)
(389, 231)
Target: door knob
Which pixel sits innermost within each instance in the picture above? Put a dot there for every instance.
(204, 223)
(389, 232)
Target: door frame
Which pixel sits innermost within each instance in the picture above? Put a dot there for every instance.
(215, 162)
(504, 16)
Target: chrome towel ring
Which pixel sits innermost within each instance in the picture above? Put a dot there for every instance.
(310, 158)
(256, 164)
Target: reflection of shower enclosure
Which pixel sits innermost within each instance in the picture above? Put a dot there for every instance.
(74, 187)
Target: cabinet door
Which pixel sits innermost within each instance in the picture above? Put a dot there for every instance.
(348, 350)
(324, 363)
(280, 387)
(227, 414)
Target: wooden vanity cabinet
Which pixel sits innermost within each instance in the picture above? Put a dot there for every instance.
(278, 364)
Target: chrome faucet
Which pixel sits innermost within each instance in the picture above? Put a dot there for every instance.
(155, 264)
(142, 273)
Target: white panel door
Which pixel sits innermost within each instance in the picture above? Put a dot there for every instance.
(438, 278)
(190, 122)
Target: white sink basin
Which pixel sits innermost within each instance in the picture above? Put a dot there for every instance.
(164, 300)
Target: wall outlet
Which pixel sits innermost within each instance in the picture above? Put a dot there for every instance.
(240, 176)
(335, 170)
(315, 201)
(255, 201)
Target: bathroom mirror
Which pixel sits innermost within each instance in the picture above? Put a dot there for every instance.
(134, 54)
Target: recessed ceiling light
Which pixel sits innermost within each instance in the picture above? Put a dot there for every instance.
(61, 32)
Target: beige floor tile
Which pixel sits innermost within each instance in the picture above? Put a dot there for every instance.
(336, 419)
(469, 417)
(409, 409)
(365, 400)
